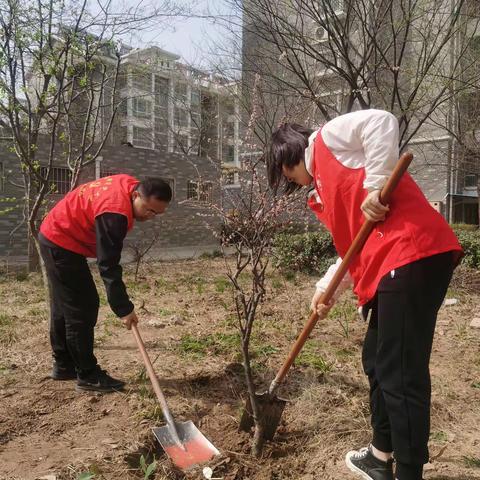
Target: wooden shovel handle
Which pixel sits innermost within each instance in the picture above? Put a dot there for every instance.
(355, 247)
(153, 377)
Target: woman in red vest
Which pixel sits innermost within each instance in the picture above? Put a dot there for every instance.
(92, 221)
(400, 277)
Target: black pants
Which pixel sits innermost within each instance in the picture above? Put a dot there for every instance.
(74, 308)
(396, 356)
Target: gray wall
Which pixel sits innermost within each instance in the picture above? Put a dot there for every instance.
(183, 228)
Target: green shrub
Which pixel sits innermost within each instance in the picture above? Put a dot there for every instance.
(310, 252)
(464, 227)
(470, 241)
(313, 252)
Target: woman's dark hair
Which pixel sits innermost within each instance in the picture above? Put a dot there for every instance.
(155, 187)
(287, 147)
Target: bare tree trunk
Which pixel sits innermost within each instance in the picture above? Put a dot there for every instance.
(258, 437)
(33, 254)
(258, 440)
(478, 194)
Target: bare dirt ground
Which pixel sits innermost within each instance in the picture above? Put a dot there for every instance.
(49, 430)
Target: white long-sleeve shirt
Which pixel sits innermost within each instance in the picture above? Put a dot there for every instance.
(369, 139)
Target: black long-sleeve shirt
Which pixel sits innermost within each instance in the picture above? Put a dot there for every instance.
(111, 230)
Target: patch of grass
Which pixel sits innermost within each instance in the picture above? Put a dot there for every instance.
(195, 281)
(217, 343)
(226, 342)
(289, 275)
(439, 436)
(471, 462)
(21, 276)
(230, 320)
(103, 298)
(165, 312)
(311, 357)
(138, 286)
(263, 350)
(110, 323)
(226, 304)
(162, 284)
(258, 367)
(344, 353)
(209, 255)
(144, 392)
(7, 329)
(193, 346)
(461, 330)
(152, 412)
(37, 313)
(277, 283)
(148, 469)
(344, 312)
(455, 293)
(221, 284)
(150, 408)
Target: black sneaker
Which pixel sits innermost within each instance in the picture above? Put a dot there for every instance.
(63, 373)
(367, 466)
(99, 381)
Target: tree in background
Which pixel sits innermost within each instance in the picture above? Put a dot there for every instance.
(59, 69)
(319, 59)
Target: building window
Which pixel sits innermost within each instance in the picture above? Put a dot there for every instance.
(229, 130)
(471, 180)
(161, 91)
(181, 93)
(230, 178)
(142, 108)
(122, 106)
(181, 117)
(199, 191)
(142, 81)
(196, 120)
(195, 97)
(181, 143)
(161, 139)
(229, 156)
(142, 137)
(229, 110)
(59, 181)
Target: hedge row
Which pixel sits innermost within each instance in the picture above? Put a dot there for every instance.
(313, 252)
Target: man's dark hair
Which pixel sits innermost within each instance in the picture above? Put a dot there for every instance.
(155, 187)
(287, 147)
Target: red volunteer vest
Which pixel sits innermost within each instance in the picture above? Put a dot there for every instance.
(71, 223)
(412, 230)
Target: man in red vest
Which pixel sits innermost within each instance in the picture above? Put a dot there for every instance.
(92, 221)
(400, 277)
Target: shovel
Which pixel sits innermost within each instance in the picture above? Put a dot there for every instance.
(270, 406)
(182, 441)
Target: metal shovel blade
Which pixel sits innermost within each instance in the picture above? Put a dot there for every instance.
(271, 409)
(195, 448)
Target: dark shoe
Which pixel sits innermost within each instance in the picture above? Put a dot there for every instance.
(367, 466)
(99, 381)
(63, 373)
